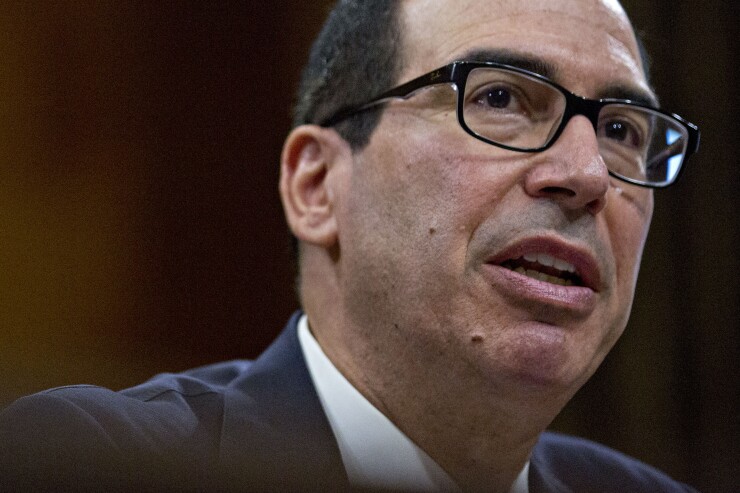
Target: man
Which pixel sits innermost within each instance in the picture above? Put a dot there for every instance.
(469, 233)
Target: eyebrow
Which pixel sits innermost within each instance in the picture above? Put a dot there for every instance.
(508, 57)
(619, 91)
(542, 67)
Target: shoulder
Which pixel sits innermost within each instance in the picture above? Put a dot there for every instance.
(574, 464)
(243, 421)
(182, 397)
(52, 433)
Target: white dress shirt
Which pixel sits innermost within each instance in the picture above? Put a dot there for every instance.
(375, 453)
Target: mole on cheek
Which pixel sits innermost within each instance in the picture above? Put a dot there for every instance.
(432, 231)
(476, 339)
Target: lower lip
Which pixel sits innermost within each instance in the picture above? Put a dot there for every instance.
(578, 299)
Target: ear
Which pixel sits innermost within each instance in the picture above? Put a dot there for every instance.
(310, 154)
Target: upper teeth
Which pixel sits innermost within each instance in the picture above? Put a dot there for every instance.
(549, 261)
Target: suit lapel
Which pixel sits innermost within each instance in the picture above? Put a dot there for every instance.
(274, 430)
(542, 479)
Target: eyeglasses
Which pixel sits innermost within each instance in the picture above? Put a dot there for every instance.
(522, 111)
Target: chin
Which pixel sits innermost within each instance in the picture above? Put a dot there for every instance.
(545, 380)
(544, 360)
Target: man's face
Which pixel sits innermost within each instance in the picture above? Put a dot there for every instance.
(431, 221)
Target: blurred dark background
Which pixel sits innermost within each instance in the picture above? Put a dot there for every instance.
(141, 230)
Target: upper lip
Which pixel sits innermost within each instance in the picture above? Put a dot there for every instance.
(584, 261)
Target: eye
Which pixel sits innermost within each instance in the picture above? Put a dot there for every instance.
(498, 97)
(621, 131)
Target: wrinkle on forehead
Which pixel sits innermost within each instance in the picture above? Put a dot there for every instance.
(450, 19)
(625, 54)
(571, 32)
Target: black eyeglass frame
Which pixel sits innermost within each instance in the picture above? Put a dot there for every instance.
(457, 73)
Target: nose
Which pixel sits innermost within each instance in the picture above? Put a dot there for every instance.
(572, 172)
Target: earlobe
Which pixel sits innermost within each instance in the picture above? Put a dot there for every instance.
(309, 155)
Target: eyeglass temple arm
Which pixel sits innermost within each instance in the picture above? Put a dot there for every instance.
(694, 139)
(441, 75)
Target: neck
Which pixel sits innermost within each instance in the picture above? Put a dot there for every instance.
(480, 438)
(483, 448)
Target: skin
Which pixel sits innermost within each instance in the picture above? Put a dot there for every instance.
(399, 240)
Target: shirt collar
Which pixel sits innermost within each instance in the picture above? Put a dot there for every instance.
(375, 453)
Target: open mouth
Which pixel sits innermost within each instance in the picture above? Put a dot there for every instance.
(546, 268)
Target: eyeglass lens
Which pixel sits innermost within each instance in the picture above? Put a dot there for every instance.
(522, 112)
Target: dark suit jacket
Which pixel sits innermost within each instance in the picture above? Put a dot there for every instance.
(240, 425)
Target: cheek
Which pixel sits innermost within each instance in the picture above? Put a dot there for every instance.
(414, 199)
(405, 215)
(449, 181)
(409, 182)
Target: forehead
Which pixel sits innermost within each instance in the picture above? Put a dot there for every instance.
(590, 43)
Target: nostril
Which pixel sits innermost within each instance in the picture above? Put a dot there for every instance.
(596, 205)
(558, 191)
